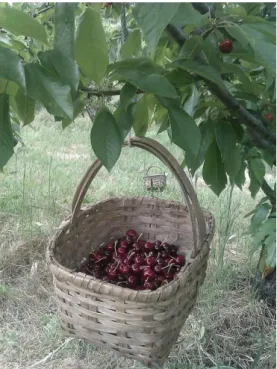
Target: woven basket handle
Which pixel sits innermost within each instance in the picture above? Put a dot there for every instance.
(196, 215)
(152, 166)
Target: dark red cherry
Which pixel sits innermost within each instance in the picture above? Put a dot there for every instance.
(112, 274)
(158, 269)
(180, 260)
(164, 254)
(157, 243)
(148, 274)
(121, 251)
(137, 246)
(135, 268)
(161, 262)
(148, 246)
(110, 247)
(124, 244)
(132, 281)
(174, 250)
(127, 261)
(132, 233)
(139, 259)
(150, 261)
(226, 46)
(124, 269)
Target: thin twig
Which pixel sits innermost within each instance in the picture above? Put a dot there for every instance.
(92, 92)
(52, 353)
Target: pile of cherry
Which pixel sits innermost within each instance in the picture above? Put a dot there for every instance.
(135, 263)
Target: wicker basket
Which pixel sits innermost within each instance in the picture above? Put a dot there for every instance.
(155, 181)
(141, 325)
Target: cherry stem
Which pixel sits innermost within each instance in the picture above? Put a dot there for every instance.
(139, 236)
(164, 240)
(98, 261)
(115, 244)
(116, 266)
(129, 256)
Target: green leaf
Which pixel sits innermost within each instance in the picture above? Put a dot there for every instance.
(265, 51)
(232, 163)
(105, 139)
(124, 120)
(226, 138)
(193, 100)
(260, 215)
(91, 51)
(21, 23)
(139, 72)
(64, 23)
(11, 88)
(162, 120)
(254, 184)
(43, 86)
(25, 107)
(179, 78)
(191, 47)
(79, 105)
(153, 19)
(65, 68)
(11, 67)
(213, 170)
(127, 92)
(6, 135)
(132, 69)
(267, 228)
(237, 10)
(238, 129)
(240, 177)
(205, 71)
(270, 244)
(211, 51)
(207, 136)
(268, 29)
(236, 71)
(238, 33)
(185, 132)
(186, 15)
(141, 116)
(258, 168)
(158, 85)
(132, 46)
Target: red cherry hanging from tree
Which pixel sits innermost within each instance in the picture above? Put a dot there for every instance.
(226, 46)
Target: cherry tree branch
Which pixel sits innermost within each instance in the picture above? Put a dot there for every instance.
(264, 138)
(92, 92)
(43, 10)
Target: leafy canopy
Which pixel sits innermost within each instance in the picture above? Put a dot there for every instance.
(170, 74)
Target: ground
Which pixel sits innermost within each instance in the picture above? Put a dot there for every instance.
(228, 326)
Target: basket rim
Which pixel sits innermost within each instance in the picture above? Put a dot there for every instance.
(155, 175)
(93, 284)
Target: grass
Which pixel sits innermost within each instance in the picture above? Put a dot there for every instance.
(228, 326)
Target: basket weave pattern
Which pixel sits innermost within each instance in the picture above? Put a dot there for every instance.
(141, 325)
(154, 181)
